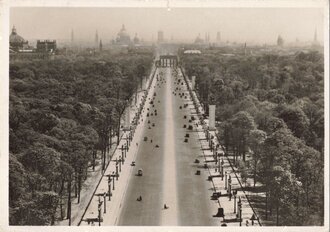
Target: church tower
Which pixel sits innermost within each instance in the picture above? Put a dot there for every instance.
(280, 41)
(100, 46)
(315, 36)
(96, 42)
(72, 37)
(218, 37)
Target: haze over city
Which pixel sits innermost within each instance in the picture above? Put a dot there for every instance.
(251, 25)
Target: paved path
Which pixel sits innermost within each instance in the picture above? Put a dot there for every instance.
(169, 171)
(221, 172)
(168, 141)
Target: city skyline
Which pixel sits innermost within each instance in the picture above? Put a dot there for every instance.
(235, 24)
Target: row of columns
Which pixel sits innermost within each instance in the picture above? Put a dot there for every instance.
(164, 62)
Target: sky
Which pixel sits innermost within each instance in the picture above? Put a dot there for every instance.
(252, 25)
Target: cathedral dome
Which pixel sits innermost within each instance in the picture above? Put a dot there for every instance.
(123, 37)
(122, 32)
(15, 38)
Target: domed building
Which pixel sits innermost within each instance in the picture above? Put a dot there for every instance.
(123, 37)
(199, 40)
(17, 42)
(136, 39)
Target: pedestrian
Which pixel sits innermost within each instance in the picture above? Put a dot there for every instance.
(150, 140)
(247, 223)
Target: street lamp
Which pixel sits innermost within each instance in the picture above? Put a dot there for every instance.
(109, 187)
(119, 161)
(117, 170)
(221, 168)
(113, 180)
(105, 202)
(99, 209)
(229, 187)
(234, 193)
(239, 204)
(225, 180)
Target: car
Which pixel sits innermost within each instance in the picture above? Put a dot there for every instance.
(140, 172)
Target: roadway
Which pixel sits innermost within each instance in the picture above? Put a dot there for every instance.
(168, 165)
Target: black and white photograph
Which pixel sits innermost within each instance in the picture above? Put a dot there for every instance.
(164, 114)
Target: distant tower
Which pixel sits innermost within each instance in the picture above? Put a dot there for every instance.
(315, 36)
(136, 39)
(160, 37)
(100, 46)
(280, 41)
(72, 37)
(245, 49)
(96, 38)
(218, 37)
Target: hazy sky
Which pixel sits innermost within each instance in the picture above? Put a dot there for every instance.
(260, 25)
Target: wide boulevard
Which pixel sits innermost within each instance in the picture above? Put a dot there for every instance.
(166, 153)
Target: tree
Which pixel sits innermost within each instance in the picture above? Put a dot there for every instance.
(256, 141)
(242, 123)
(296, 120)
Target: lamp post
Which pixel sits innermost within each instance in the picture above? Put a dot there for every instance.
(239, 204)
(99, 209)
(225, 180)
(109, 187)
(234, 193)
(214, 151)
(229, 187)
(113, 180)
(119, 162)
(117, 170)
(105, 202)
(221, 168)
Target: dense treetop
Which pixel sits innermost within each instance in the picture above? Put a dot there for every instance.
(62, 112)
(271, 107)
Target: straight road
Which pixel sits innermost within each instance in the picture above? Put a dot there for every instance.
(167, 161)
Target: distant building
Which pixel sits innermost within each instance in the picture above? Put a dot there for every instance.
(315, 36)
(315, 41)
(199, 40)
(46, 46)
(96, 41)
(160, 37)
(123, 37)
(192, 52)
(218, 39)
(101, 46)
(136, 40)
(72, 37)
(280, 41)
(16, 42)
